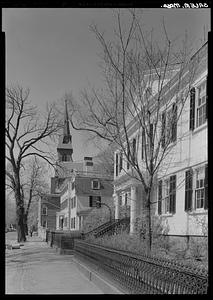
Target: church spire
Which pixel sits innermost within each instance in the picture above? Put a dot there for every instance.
(67, 136)
(64, 148)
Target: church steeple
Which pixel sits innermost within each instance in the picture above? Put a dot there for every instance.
(64, 148)
(67, 136)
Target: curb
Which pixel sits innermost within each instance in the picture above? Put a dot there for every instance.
(97, 279)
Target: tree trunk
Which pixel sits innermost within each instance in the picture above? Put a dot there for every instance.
(21, 237)
(148, 223)
(25, 224)
(20, 228)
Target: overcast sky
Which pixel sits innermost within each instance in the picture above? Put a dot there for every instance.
(52, 51)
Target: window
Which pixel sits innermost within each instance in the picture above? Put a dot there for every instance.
(169, 126)
(163, 135)
(45, 224)
(167, 195)
(160, 197)
(64, 204)
(145, 143)
(120, 200)
(73, 223)
(93, 200)
(198, 106)
(44, 210)
(65, 221)
(201, 105)
(95, 185)
(196, 187)
(199, 188)
(73, 202)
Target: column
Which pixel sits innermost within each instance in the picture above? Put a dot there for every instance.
(133, 209)
(117, 206)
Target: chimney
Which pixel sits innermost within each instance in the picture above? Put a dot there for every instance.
(88, 165)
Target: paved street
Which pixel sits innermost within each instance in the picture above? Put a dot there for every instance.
(38, 269)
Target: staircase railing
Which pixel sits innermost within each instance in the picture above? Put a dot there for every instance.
(114, 228)
(97, 229)
(111, 227)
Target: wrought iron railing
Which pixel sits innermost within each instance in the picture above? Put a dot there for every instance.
(144, 274)
(97, 229)
(63, 239)
(111, 227)
(114, 228)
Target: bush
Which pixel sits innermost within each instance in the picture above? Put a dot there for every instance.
(123, 241)
(199, 249)
(163, 247)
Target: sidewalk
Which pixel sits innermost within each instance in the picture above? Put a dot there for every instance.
(38, 269)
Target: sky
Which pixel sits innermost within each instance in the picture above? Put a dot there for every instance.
(52, 51)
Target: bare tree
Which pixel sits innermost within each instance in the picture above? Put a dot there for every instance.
(26, 133)
(33, 184)
(141, 76)
(105, 159)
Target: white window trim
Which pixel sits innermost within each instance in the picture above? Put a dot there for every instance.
(163, 202)
(97, 181)
(196, 101)
(202, 210)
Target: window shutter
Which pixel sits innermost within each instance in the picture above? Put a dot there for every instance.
(128, 157)
(160, 197)
(206, 188)
(192, 109)
(172, 195)
(151, 135)
(174, 122)
(116, 164)
(90, 201)
(188, 190)
(163, 134)
(143, 144)
(133, 150)
(121, 162)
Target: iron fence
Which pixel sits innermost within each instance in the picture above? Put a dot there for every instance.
(144, 274)
(63, 239)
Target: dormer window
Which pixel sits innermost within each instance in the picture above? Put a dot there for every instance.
(95, 184)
